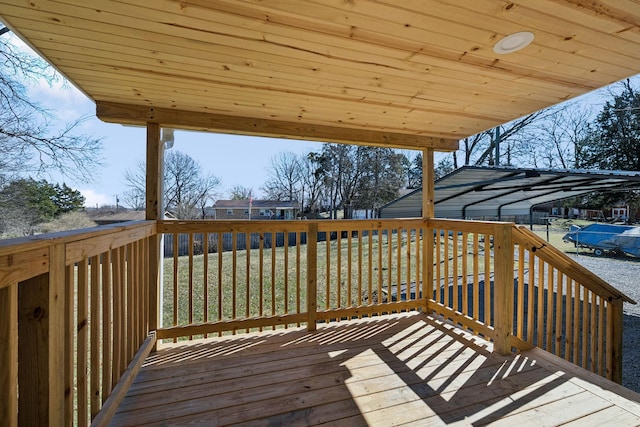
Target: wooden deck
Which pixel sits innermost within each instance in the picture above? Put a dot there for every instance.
(404, 369)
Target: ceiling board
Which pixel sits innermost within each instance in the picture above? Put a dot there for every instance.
(424, 68)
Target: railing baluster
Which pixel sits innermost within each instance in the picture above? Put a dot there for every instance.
(600, 345)
(176, 261)
(349, 269)
(445, 283)
(487, 281)
(541, 304)
(129, 307)
(370, 267)
(454, 273)
(464, 282)
(531, 296)
(220, 248)
(234, 277)
(399, 260)
(390, 266)
(585, 328)
(107, 317)
(558, 313)
(274, 245)
(593, 334)
(339, 269)
(205, 279)
(94, 325)
(550, 310)
(261, 273)
(520, 304)
(418, 263)
(476, 277)
(408, 255)
(298, 275)
(190, 282)
(82, 340)
(379, 267)
(576, 323)
(247, 277)
(360, 261)
(69, 343)
(568, 320)
(312, 275)
(117, 316)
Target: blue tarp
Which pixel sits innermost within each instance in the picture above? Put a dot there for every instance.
(616, 238)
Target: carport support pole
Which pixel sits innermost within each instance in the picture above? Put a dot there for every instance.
(428, 212)
(154, 211)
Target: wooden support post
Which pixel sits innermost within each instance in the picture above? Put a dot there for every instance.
(616, 337)
(312, 275)
(9, 355)
(428, 212)
(428, 179)
(503, 288)
(154, 211)
(41, 349)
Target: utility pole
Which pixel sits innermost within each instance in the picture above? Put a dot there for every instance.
(497, 144)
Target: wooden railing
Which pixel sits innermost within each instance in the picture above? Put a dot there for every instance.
(263, 273)
(79, 311)
(565, 309)
(74, 313)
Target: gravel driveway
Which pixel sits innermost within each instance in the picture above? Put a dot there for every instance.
(624, 274)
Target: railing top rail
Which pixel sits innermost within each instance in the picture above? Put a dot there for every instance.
(566, 265)
(21, 244)
(484, 227)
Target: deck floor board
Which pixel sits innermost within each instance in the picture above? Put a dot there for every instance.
(403, 369)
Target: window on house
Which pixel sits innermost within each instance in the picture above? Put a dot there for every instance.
(246, 211)
(229, 211)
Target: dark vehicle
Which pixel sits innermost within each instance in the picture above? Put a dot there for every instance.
(606, 238)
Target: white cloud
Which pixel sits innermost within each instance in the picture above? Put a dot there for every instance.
(93, 199)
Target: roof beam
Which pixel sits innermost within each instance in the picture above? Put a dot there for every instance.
(210, 122)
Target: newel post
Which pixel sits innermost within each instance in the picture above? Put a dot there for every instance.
(503, 259)
(154, 211)
(41, 345)
(614, 323)
(312, 275)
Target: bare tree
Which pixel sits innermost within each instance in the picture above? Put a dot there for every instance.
(285, 177)
(238, 192)
(312, 181)
(558, 136)
(187, 189)
(30, 139)
(135, 196)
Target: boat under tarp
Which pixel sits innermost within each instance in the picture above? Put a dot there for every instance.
(603, 238)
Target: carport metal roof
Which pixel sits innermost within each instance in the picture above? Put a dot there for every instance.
(480, 192)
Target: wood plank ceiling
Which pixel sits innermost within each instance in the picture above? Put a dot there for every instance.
(410, 73)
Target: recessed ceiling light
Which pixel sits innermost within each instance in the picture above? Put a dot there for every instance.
(513, 42)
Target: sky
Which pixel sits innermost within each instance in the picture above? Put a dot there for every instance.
(236, 160)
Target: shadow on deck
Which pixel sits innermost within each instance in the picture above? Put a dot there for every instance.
(398, 369)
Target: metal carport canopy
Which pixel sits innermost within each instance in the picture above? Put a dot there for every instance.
(480, 192)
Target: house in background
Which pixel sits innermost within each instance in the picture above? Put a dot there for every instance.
(255, 209)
